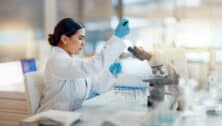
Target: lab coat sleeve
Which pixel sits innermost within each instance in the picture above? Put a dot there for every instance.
(77, 68)
(102, 82)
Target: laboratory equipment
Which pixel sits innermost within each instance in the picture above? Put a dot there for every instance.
(140, 53)
(212, 79)
(214, 110)
(131, 92)
(160, 79)
(161, 118)
(158, 83)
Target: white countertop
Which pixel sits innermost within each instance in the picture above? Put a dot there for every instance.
(112, 108)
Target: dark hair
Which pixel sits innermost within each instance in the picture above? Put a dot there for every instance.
(66, 26)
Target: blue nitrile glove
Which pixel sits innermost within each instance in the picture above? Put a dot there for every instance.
(93, 94)
(115, 68)
(122, 28)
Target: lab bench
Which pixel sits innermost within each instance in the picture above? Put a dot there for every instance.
(110, 109)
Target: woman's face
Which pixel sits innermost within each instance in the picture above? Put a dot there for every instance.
(75, 43)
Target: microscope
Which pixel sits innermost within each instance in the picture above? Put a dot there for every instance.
(159, 81)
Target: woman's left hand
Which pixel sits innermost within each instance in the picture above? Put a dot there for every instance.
(115, 68)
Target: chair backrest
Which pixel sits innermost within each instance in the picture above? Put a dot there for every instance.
(33, 86)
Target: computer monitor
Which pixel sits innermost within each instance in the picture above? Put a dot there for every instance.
(28, 65)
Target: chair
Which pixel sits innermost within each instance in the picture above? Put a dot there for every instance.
(33, 86)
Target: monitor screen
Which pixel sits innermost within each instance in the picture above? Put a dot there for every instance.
(28, 65)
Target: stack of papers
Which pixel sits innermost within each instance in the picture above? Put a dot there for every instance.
(52, 118)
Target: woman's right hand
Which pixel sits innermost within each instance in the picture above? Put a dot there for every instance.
(122, 28)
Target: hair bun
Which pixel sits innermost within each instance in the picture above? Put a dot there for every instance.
(51, 39)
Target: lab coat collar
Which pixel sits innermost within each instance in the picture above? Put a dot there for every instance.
(59, 50)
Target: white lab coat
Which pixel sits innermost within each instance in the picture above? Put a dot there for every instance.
(68, 80)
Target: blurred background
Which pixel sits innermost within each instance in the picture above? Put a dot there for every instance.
(194, 25)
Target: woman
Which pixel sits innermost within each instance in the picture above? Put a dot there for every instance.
(67, 78)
